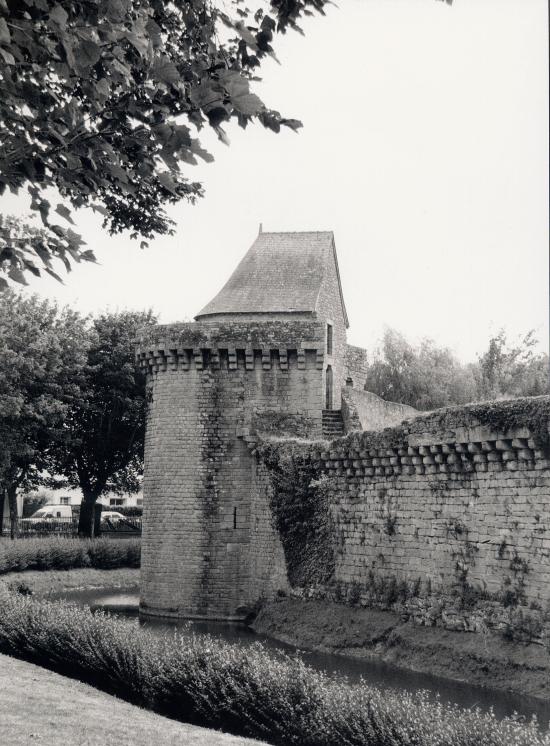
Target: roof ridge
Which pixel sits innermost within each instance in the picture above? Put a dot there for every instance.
(287, 233)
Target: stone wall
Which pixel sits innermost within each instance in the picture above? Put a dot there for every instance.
(457, 501)
(356, 364)
(363, 410)
(208, 547)
(329, 309)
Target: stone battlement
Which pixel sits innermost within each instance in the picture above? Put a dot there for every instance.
(230, 346)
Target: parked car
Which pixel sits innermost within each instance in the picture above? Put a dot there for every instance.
(50, 513)
(112, 516)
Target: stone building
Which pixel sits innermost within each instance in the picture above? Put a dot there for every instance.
(267, 353)
(449, 501)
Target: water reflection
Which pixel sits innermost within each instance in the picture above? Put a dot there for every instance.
(374, 672)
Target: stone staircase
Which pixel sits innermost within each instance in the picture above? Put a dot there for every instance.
(333, 425)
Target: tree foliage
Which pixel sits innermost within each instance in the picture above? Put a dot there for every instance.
(105, 426)
(72, 401)
(425, 377)
(102, 99)
(42, 355)
(428, 377)
(512, 369)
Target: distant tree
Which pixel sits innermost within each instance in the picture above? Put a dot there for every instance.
(425, 377)
(103, 450)
(507, 370)
(42, 353)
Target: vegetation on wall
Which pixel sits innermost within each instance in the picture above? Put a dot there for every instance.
(532, 413)
(300, 507)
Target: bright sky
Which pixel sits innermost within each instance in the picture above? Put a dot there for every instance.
(425, 150)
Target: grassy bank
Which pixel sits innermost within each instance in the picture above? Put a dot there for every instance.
(58, 710)
(53, 553)
(246, 692)
(45, 582)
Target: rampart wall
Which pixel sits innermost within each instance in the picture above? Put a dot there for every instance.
(363, 410)
(457, 502)
(356, 364)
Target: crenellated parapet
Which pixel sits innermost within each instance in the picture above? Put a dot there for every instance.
(231, 346)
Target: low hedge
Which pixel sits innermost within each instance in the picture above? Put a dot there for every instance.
(243, 691)
(57, 553)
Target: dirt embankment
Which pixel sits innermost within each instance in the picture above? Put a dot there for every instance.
(485, 660)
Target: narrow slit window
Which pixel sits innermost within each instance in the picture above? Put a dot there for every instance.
(235, 517)
(329, 339)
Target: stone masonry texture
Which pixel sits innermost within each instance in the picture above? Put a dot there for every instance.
(208, 547)
(460, 496)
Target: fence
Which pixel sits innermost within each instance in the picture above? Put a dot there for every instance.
(121, 528)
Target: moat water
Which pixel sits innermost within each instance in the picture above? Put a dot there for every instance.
(125, 604)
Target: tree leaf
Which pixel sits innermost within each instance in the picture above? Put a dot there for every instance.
(248, 104)
(16, 274)
(167, 182)
(197, 148)
(116, 10)
(138, 42)
(64, 212)
(75, 239)
(31, 266)
(54, 275)
(165, 70)
(294, 124)
(5, 37)
(59, 16)
(154, 33)
(8, 57)
(87, 54)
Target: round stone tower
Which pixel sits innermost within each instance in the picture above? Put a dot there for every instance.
(257, 355)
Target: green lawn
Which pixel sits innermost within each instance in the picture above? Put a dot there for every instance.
(38, 706)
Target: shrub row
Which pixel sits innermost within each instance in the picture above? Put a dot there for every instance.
(56, 553)
(247, 692)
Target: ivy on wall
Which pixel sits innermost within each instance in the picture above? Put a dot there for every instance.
(501, 416)
(300, 508)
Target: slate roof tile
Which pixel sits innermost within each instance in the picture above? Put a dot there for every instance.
(280, 273)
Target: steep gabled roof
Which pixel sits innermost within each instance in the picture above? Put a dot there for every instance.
(280, 273)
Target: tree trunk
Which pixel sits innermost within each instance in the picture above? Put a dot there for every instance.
(12, 501)
(89, 522)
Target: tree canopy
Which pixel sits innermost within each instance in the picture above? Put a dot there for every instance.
(102, 100)
(427, 376)
(42, 356)
(105, 426)
(101, 104)
(508, 369)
